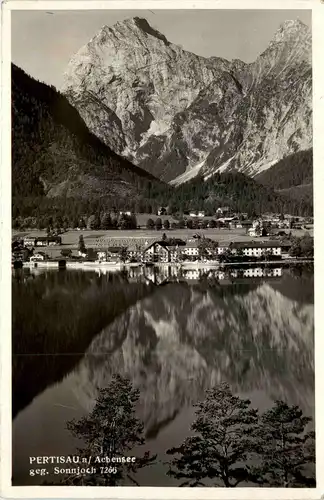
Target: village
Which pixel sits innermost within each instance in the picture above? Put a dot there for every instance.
(270, 238)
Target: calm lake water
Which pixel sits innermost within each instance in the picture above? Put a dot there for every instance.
(172, 335)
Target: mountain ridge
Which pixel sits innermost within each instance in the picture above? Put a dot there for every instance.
(130, 76)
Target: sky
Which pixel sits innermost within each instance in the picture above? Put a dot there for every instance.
(43, 43)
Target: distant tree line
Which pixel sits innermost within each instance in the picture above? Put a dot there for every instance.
(95, 221)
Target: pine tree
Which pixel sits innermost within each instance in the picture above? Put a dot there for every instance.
(81, 246)
(166, 224)
(287, 450)
(150, 224)
(158, 224)
(224, 439)
(111, 430)
(106, 222)
(75, 222)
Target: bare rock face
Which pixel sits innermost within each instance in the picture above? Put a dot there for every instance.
(275, 113)
(177, 114)
(129, 82)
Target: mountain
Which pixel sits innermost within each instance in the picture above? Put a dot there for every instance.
(177, 114)
(54, 155)
(182, 340)
(61, 169)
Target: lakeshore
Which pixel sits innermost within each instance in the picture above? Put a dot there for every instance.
(197, 265)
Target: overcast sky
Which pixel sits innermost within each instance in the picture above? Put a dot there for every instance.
(43, 43)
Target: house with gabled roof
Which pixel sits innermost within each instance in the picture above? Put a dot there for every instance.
(156, 252)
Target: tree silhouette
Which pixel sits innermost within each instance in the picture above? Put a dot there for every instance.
(233, 444)
(123, 254)
(166, 224)
(81, 245)
(207, 248)
(106, 222)
(111, 430)
(67, 252)
(158, 224)
(287, 451)
(225, 438)
(150, 224)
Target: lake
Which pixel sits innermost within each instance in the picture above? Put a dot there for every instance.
(173, 333)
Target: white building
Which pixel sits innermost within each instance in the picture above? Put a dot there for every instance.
(191, 249)
(257, 249)
(37, 257)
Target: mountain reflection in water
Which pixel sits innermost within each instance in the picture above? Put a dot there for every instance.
(173, 343)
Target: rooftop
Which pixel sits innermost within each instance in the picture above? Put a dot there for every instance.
(255, 244)
(192, 244)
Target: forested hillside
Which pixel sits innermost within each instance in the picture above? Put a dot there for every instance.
(237, 191)
(294, 170)
(54, 154)
(60, 169)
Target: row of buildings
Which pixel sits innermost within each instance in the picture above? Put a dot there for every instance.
(164, 252)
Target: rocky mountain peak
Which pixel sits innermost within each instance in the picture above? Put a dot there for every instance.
(141, 24)
(129, 82)
(292, 42)
(289, 29)
(174, 113)
(135, 28)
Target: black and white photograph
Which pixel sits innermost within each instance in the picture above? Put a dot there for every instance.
(162, 248)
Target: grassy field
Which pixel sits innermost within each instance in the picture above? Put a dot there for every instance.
(103, 239)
